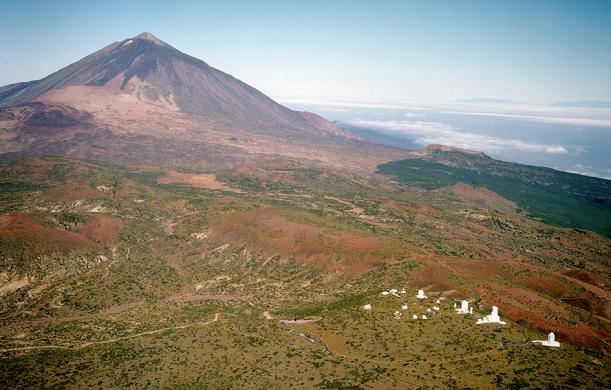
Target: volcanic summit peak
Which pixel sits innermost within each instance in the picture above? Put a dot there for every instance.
(150, 37)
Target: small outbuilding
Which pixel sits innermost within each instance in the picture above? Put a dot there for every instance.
(464, 307)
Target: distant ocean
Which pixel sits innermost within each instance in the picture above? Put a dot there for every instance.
(569, 139)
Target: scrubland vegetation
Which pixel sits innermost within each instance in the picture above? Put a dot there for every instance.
(111, 279)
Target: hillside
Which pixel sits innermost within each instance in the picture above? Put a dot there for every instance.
(132, 276)
(556, 197)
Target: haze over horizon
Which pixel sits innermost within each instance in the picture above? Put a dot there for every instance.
(393, 50)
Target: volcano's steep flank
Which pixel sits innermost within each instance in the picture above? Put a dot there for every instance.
(140, 100)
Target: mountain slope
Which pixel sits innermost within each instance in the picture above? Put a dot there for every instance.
(556, 197)
(145, 101)
(155, 72)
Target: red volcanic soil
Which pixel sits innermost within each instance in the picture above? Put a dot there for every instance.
(390, 204)
(102, 229)
(23, 227)
(585, 276)
(40, 119)
(197, 180)
(521, 299)
(546, 285)
(434, 277)
(544, 300)
(480, 269)
(579, 334)
(70, 192)
(539, 313)
(582, 335)
(546, 315)
(576, 295)
(482, 197)
(271, 232)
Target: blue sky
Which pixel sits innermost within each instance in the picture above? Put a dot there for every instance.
(531, 51)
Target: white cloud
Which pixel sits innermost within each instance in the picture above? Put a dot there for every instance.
(587, 171)
(334, 109)
(555, 150)
(537, 113)
(580, 150)
(554, 120)
(351, 104)
(425, 133)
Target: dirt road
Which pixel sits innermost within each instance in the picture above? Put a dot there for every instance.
(113, 340)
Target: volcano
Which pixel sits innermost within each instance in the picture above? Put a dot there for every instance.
(142, 100)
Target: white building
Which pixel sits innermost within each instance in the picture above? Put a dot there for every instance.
(367, 307)
(550, 342)
(404, 307)
(464, 307)
(421, 295)
(492, 318)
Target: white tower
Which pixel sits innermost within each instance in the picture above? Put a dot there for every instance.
(492, 318)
